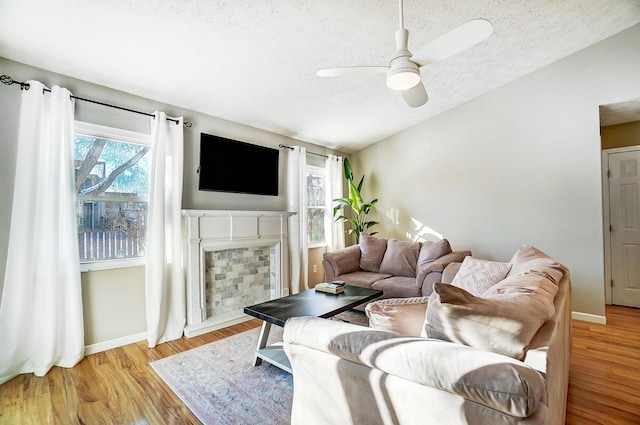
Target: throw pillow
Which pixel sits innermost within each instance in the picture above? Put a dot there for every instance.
(400, 258)
(431, 251)
(372, 250)
(503, 324)
(476, 276)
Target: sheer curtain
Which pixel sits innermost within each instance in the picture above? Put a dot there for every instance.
(164, 281)
(41, 321)
(297, 202)
(334, 229)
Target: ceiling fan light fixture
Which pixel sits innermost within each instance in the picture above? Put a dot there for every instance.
(401, 79)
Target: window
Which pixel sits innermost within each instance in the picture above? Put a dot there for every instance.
(112, 190)
(316, 205)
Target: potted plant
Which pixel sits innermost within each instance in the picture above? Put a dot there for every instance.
(359, 209)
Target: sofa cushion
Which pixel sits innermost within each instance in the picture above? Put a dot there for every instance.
(476, 275)
(362, 279)
(538, 286)
(431, 251)
(531, 260)
(503, 322)
(400, 258)
(398, 287)
(372, 251)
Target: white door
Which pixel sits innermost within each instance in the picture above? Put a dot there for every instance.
(624, 205)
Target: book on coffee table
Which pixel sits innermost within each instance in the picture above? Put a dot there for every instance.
(330, 287)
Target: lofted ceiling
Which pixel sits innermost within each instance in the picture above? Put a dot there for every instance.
(254, 61)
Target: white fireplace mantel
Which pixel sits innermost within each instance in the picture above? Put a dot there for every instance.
(211, 230)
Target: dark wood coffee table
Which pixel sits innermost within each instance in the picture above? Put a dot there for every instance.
(307, 303)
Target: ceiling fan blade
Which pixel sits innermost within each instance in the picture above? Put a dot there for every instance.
(415, 96)
(455, 41)
(351, 70)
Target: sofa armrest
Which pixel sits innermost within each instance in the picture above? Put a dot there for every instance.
(450, 272)
(401, 315)
(491, 379)
(345, 260)
(438, 266)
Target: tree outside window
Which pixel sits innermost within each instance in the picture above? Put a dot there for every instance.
(112, 182)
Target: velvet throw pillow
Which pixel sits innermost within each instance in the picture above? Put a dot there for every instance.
(400, 258)
(476, 276)
(372, 251)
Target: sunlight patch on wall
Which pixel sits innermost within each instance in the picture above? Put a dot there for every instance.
(393, 215)
(423, 233)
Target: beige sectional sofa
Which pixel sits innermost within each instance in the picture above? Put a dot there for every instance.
(398, 268)
(492, 347)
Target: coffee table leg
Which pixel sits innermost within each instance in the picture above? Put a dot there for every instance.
(262, 341)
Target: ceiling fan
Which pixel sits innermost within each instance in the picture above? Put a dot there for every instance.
(403, 71)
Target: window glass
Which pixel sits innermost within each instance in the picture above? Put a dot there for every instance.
(112, 189)
(316, 205)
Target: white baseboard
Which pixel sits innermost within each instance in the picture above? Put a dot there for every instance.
(213, 324)
(114, 343)
(586, 317)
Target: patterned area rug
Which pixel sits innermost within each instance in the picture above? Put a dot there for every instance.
(219, 384)
(353, 316)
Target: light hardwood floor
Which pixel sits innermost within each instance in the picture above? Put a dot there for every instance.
(119, 387)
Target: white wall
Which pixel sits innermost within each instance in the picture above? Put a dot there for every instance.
(109, 316)
(520, 164)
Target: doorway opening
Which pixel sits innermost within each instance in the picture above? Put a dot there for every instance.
(620, 144)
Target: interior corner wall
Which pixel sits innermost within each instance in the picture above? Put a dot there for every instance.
(103, 306)
(518, 165)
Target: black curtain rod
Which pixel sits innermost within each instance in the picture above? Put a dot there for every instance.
(312, 153)
(25, 86)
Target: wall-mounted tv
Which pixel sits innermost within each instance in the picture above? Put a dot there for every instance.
(228, 165)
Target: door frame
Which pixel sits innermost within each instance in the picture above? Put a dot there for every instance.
(607, 218)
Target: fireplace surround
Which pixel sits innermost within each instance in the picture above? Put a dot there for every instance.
(232, 259)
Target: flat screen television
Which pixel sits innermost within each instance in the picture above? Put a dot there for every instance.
(228, 165)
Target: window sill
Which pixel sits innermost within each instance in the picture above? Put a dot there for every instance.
(317, 245)
(112, 264)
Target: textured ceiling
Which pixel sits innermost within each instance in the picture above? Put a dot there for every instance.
(620, 113)
(254, 61)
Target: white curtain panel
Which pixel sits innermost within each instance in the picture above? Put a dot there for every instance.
(297, 202)
(41, 322)
(164, 279)
(334, 229)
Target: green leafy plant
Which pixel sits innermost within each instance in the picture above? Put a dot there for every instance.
(354, 203)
